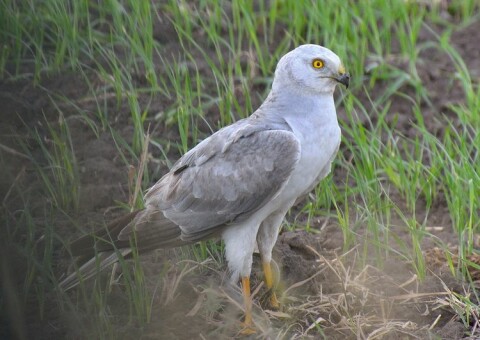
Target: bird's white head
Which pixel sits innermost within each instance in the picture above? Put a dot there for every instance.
(310, 68)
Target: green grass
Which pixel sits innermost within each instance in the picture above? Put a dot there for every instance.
(221, 71)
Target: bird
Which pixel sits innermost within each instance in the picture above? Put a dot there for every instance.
(239, 183)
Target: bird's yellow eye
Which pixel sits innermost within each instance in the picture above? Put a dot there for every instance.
(318, 63)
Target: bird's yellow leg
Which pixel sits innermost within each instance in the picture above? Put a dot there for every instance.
(247, 300)
(269, 280)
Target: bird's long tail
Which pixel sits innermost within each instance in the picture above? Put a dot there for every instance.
(98, 250)
(92, 267)
(142, 230)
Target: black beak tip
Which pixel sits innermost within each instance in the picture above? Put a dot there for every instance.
(344, 79)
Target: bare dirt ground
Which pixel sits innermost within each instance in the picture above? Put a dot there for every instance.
(324, 286)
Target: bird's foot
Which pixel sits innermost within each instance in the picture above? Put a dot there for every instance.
(247, 325)
(247, 329)
(274, 303)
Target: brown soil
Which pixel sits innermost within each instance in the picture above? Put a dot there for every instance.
(324, 286)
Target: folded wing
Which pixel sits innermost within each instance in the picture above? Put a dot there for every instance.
(223, 180)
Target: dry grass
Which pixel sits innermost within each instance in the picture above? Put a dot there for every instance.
(362, 302)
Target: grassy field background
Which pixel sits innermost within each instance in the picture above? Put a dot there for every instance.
(99, 98)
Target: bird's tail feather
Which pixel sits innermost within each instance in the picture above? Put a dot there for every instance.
(92, 267)
(143, 230)
(98, 250)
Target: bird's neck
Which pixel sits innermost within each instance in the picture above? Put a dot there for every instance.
(317, 108)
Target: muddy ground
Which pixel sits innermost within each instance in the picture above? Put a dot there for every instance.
(326, 289)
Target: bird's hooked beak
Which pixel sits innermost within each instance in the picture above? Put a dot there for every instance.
(343, 77)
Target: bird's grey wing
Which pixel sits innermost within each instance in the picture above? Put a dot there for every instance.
(225, 179)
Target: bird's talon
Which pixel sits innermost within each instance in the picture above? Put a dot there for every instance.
(247, 329)
(274, 303)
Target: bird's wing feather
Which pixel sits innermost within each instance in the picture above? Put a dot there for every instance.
(225, 178)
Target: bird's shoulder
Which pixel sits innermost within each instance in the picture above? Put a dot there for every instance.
(248, 135)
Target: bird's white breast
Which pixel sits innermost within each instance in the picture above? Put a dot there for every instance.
(319, 135)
